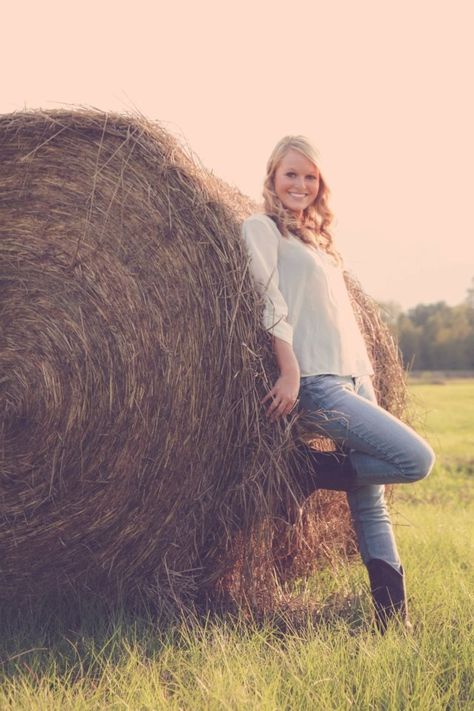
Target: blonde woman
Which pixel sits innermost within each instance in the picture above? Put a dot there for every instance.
(324, 366)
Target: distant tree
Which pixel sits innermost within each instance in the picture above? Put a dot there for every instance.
(470, 295)
(437, 337)
(390, 312)
(409, 337)
(421, 314)
(434, 336)
(450, 332)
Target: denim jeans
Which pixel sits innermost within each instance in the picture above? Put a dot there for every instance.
(383, 450)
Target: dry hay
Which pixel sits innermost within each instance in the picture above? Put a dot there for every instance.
(134, 455)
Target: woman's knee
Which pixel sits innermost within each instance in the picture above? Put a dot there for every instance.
(422, 463)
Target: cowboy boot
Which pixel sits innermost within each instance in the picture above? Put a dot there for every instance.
(388, 593)
(324, 470)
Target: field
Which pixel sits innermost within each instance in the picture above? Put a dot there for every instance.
(82, 659)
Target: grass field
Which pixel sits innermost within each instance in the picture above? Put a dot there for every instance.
(90, 661)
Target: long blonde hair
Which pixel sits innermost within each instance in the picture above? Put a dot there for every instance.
(317, 217)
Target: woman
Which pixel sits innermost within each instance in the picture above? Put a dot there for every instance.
(323, 364)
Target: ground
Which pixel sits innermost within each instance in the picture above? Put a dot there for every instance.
(90, 661)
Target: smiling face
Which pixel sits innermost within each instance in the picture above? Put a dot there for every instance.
(296, 182)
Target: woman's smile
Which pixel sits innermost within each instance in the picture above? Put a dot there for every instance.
(296, 182)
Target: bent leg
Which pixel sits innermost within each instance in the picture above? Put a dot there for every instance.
(369, 510)
(379, 452)
(383, 450)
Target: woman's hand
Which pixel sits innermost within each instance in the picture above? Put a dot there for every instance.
(284, 393)
(283, 396)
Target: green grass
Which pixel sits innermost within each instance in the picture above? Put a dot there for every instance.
(446, 411)
(84, 659)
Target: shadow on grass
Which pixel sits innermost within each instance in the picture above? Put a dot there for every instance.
(75, 638)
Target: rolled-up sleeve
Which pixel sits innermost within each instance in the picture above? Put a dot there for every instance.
(261, 240)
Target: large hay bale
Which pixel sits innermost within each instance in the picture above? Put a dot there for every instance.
(134, 454)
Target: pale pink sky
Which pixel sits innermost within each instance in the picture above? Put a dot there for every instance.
(384, 89)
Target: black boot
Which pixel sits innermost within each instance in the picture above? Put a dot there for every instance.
(324, 470)
(388, 593)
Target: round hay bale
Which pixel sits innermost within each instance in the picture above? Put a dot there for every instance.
(134, 455)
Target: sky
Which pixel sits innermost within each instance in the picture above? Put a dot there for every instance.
(383, 89)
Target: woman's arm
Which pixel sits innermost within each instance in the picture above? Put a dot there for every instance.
(284, 393)
(262, 239)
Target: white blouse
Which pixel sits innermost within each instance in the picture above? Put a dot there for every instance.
(306, 301)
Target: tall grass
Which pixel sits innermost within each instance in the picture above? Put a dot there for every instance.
(84, 657)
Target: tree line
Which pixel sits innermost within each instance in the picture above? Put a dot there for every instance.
(434, 336)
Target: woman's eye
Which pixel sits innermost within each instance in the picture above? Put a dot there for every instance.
(312, 177)
(290, 175)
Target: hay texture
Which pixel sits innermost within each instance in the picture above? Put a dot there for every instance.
(135, 458)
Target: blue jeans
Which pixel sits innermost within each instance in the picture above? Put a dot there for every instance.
(383, 450)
